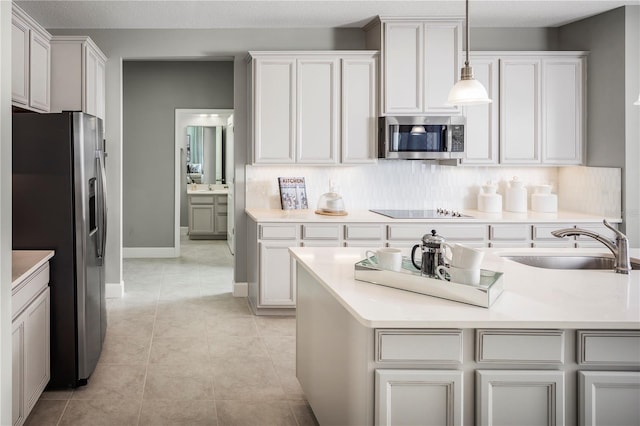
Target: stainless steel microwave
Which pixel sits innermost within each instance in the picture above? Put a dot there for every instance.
(421, 138)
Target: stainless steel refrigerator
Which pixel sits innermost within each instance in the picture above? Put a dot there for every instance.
(59, 203)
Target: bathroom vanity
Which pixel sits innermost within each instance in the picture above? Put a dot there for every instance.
(207, 210)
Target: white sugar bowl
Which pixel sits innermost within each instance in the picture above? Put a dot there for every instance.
(543, 201)
(488, 200)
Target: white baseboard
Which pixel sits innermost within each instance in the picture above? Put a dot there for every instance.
(114, 290)
(148, 252)
(240, 289)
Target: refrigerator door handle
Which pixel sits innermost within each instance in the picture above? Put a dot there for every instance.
(102, 235)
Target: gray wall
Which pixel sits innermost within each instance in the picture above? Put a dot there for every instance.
(119, 45)
(152, 90)
(513, 39)
(613, 81)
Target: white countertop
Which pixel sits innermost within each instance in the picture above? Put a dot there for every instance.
(208, 192)
(532, 297)
(26, 262)
(275, 215)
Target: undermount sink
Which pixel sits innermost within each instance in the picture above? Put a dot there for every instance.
(569, 262)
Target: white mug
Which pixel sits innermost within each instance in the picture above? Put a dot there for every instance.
(463, 256)
(387, 258)
(460, 275)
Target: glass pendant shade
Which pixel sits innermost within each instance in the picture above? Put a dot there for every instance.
(468, 91)
(638, 101)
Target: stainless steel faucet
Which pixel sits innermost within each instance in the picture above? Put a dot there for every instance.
(619, 247)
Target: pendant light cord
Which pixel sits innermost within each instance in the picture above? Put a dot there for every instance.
(466, 62)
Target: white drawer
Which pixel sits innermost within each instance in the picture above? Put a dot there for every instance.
(222, 199)
(510, 244)
(450, 232)
(278, 232)
(609, 347)
(518, 232)
(321, 232)
(201, 199)
(543, 232)
(321, 243)
(561, 243)
(29, 289)
(419, 346)
(364, 232)
(520, 346)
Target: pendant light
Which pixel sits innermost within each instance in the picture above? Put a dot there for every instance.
(468, 91)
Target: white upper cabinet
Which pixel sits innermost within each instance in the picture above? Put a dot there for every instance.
(520, 111)
(420, 64)
(317, 113)
(482, 131)
(537, 113)
(30, 63)
(77, 75)
(359, 117)
(313, 107)
(562, 110)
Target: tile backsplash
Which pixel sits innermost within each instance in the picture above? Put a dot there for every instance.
(421, 185)
(392, 184)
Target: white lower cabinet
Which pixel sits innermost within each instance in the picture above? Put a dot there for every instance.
(418, 397)
(608, 398)
(519, 397)
(31, 340)
(277, 277)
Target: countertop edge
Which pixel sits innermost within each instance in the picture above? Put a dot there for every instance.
(565, 323)
(40, 258)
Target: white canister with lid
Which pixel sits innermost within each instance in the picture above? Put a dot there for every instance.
(543, 201)
(516, 197)
(488, 200)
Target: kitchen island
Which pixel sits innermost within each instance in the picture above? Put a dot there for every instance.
(371, 354)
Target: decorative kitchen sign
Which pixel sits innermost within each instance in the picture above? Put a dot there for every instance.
(293, 193)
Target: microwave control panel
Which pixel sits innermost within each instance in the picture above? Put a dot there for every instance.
(457, 138)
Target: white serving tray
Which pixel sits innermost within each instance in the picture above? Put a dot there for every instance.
(410, 279)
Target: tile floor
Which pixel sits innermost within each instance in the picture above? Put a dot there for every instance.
(181, 350)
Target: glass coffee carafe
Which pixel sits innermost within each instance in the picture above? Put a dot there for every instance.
(432, 254)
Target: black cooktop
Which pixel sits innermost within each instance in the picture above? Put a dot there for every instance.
(422, 214)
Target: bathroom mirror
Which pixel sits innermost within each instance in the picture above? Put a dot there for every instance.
(205, 154)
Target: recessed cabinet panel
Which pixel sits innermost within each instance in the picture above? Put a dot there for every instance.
(36, 335)
(609, 347)
(519, 397)
(418, 397)
(520, 346)
(562, 107)
(317, 110)
(277, 280)
(359, 81)
(421, 346)
(91, 70)
(321, 232)
(17, 370)
(482, 120)
(19, 61)
(403, 61)
(441, 66)
(202, 219)
(364, 232)
(510, 232)
(520, 111)
(609, 398)
(274, 110)
(278, 232)
(40, 72)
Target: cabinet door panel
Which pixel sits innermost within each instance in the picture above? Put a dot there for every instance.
(202, 217)
(40, 72)
(520, 111)
(17, 369)
(317, 113)
(359, 110)
(277, 275)
(481, 144)
(424, 397)
(36, 345)
(403, 62)
(609, 398)
(90, 100)
(519, 397)
(274, 110)
(19, 61)
(562, 109)
(442, 48)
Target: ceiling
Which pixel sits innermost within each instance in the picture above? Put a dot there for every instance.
(199, 14)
